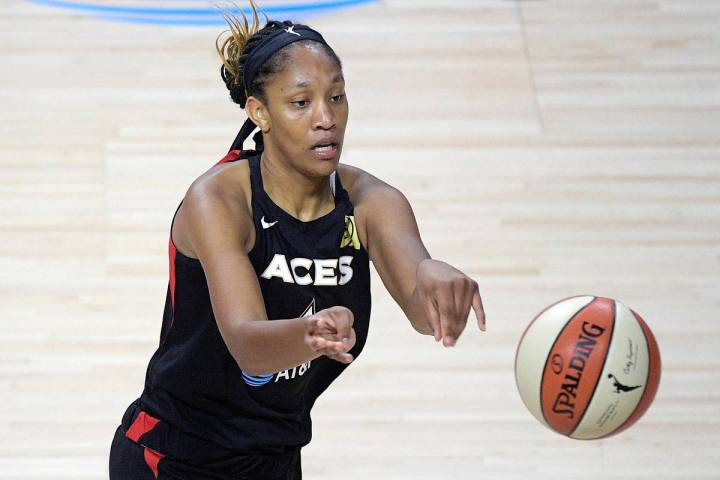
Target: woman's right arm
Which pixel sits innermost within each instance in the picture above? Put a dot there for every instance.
(218, 227)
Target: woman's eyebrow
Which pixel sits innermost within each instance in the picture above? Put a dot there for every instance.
(306, 83)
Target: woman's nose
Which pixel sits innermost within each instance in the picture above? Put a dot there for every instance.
(324, 117)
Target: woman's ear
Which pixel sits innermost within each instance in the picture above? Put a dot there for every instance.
(257, 112)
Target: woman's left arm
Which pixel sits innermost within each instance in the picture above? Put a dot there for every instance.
(435, 296)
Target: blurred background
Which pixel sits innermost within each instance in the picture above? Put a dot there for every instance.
(549, 149)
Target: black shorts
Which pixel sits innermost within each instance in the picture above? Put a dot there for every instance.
(132, 461)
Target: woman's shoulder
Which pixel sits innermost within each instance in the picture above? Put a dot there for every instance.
(371, 197)
(226, 183)
(361, 184)
(355, 180)
(222, 193)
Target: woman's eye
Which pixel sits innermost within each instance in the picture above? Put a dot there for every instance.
(300, 103)
(338, 98)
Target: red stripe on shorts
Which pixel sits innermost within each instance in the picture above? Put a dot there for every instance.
(152, 458)
(143, 423)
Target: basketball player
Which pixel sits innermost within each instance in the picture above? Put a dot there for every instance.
(269, 292)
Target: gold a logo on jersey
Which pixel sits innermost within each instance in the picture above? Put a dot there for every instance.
(350, 236)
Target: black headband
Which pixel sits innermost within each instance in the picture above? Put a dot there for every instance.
(279, 39)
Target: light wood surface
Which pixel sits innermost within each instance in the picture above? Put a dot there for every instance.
(548, 148)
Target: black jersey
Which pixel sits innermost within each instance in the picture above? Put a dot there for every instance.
(195, 394)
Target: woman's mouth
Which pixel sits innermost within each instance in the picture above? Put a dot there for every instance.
(325, 151)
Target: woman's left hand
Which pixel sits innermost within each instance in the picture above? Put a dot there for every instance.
(442, 299)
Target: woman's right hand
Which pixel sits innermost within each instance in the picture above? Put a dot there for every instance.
(330, 333)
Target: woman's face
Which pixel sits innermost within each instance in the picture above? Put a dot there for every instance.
(307, 111)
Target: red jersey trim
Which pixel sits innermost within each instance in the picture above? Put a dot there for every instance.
(231, 155)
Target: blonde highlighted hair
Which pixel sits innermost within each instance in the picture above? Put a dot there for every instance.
(230, 43)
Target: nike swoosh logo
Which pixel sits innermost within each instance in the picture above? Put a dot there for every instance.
(265, 224)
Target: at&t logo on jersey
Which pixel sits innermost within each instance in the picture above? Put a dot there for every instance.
(289, 374)
(327, 271)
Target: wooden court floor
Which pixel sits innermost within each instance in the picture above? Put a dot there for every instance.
(549, 148)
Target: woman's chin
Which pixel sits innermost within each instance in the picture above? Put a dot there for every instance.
(324, 167)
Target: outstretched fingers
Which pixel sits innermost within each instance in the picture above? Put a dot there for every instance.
(479, 310)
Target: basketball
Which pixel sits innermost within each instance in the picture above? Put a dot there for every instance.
(587, 367)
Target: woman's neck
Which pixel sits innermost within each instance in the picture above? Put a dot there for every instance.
(303, 197)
